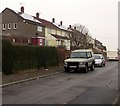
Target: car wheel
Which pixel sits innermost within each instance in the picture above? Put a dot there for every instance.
(67, 70)
(92, 67)
(104, 64)
(101, 64)
(86, 69)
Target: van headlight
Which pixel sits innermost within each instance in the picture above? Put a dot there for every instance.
(81, 63)
(65, 64)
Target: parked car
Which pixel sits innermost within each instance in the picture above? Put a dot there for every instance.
(99, 60)
(80, 59)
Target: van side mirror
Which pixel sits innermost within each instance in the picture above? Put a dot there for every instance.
(68, 57)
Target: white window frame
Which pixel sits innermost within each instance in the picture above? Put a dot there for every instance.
(41, 40)
(49, 31)
(4, 26)
(14, 25)
(13, 40)
(40, 44)
(39, 28)
(9, 26)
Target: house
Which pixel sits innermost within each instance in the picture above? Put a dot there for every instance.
(56, 34)
(20, 27)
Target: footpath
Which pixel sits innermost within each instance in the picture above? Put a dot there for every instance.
(28, 75)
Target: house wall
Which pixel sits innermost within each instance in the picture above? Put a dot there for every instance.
(24, 28)
(50, 40)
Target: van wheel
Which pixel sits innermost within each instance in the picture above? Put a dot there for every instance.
(86, 69)
(67, 70)
(92, 67)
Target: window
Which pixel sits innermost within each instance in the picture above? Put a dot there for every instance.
(40, 40)
(40, 44)
(13, 40)
(9, 26)
(14, 25)
(4, 26)
(89, 55)
(28, 41)
(78, 55)
(39, 28)
(49, 31)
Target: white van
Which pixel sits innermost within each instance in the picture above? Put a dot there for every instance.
(80, 59)
(112, 55)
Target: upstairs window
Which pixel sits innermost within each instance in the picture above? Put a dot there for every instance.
(39, 28)
(49, 31)
(9, 26)
(14, 25)
(4, 26)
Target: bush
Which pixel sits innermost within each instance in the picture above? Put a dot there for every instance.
(7, 57)
(27, 57)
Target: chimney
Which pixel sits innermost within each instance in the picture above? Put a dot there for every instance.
(22, 9)
(75, 27)
(53, 20)
(70, 26)
(37, 15)
(61, 23)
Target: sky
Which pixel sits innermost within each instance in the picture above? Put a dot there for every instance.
(100, 17)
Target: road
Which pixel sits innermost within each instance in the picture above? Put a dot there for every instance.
(95, 87)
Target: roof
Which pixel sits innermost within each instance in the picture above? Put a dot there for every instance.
(46, 23)
(40, 21)
(52, 25)
(59, 37)
(27, 17)
(61, 27)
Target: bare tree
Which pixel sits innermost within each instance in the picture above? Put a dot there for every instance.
(81, 28)
(79, 36)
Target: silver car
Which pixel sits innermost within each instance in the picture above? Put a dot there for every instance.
(99, 60)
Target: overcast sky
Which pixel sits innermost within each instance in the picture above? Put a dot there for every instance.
(99, 16)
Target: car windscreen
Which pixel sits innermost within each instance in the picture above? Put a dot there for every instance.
(97, 57)
(78, 55)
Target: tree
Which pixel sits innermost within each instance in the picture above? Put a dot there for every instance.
(79, 36)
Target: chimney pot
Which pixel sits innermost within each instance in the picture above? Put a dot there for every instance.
(75, 27)
(37, 15)
(53, 20)
(22, 9)
(70, 26)
(61, 23)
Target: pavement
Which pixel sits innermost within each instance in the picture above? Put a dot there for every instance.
(28, 75)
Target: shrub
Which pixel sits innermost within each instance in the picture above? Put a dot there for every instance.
(20, 57)
(7, 57)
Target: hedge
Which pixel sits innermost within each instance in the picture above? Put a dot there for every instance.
(20, 57)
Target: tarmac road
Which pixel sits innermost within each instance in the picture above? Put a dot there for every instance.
(95, 87)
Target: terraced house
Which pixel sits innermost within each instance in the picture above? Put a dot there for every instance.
(20, 27)
(56, 34)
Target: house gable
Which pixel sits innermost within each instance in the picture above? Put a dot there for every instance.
(9, 16)
(27, 26)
